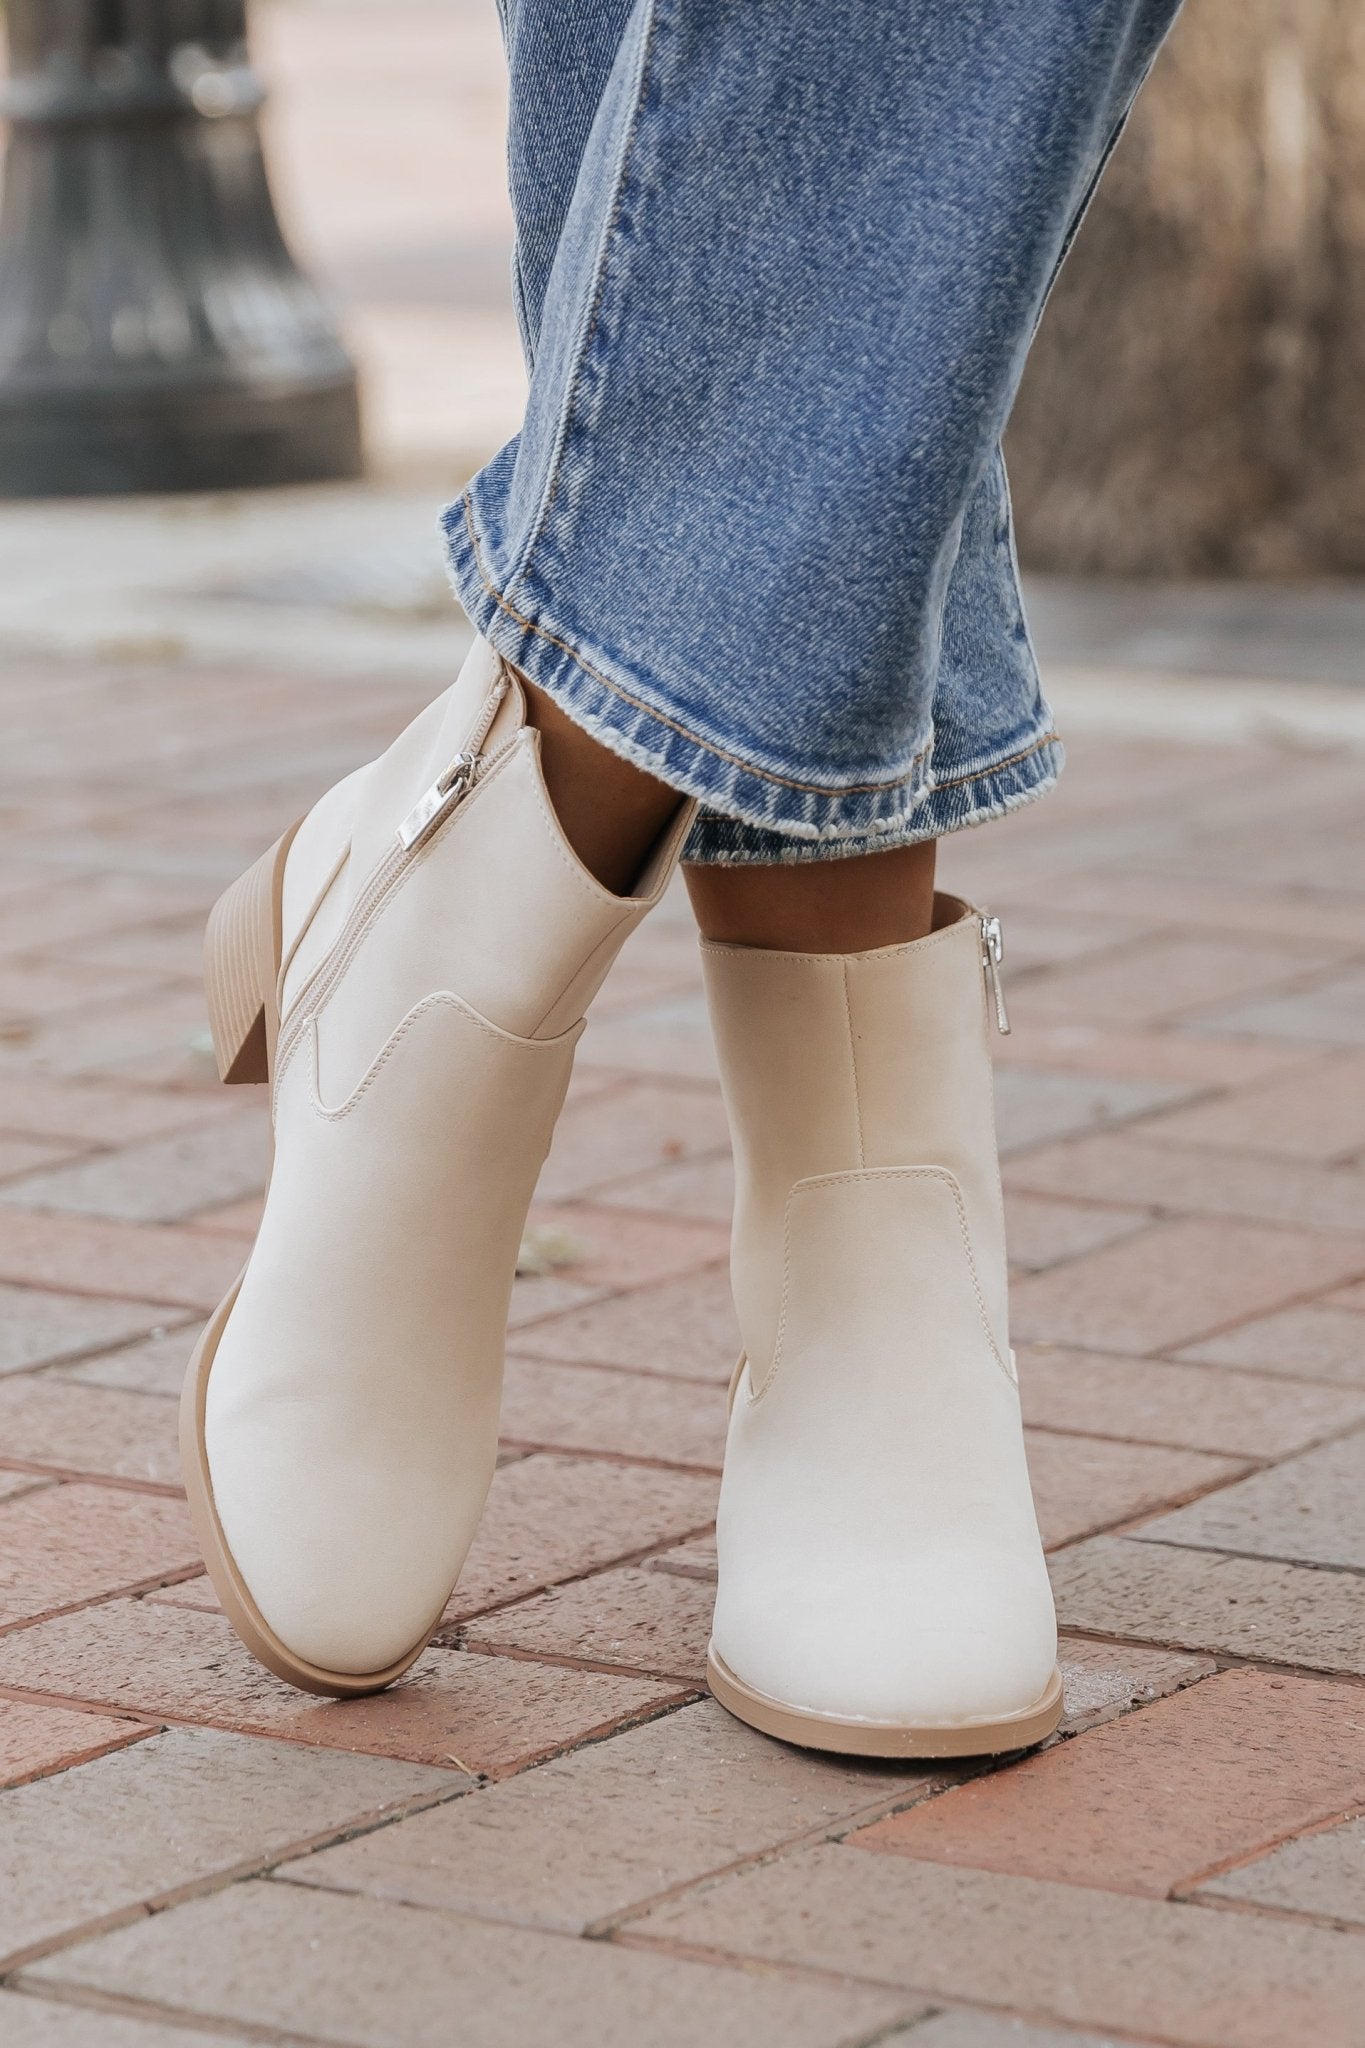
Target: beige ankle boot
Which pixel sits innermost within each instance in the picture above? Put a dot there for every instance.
(882, 1585)
(412, 964)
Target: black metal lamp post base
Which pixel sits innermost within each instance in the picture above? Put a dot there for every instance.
(209, 439)
(155, 333)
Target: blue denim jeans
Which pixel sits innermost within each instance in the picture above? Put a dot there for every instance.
(778, 267)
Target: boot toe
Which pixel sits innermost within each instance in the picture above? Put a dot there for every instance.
(941, 1649)
(349, 1574)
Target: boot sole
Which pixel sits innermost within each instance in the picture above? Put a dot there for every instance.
(848, 1737)
(242, 950)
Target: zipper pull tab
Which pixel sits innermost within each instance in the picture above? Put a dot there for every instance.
(992, 952)
(443, 796)
(458, 779)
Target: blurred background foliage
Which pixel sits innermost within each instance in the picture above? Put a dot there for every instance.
(1195, 400)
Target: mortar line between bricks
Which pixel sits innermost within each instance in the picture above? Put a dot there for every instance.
(1301, 982)
(1310, 1298)
(1263, 1461)
(613, 1294)
(1040, 2016)
(751, 1966)
(611, 1925)
(683, 1695)
(517, 1354)
(219, 1880)
(88, 1148)
(573, 1578)
(1165, 1506)
(103, 1599)
(532, 1447)
(1105, 954)
(1226, 1660)
(23, 1173)
(173, 1322)
(40, 1485)
(140, 1730)
(586, 1197)
(1245, 1372)
(897, 2030)
(1248, 1459)
(658, 1710)
(562, 1661)
(1167, 929)
(603, 1929)
(25, 1695)
(1144, 1123)
(189, 1311)
(75, 1475)
(1328, 1818)
(1222, 1550)
(85, 1999)
(53, 1368)
(1285, 1380)
(1171, 1208)
(1156, 1212)
(1264, 1909)
(1252, 1468)
(177, 1313)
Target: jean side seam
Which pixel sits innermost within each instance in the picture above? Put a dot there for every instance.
(521, 566)
(819, 789)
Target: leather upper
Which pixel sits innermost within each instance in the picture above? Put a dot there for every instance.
(879, 1552)
(431, 1002)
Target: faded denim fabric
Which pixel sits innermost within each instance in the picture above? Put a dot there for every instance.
(778, 268)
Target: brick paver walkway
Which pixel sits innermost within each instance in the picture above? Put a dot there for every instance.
(547, 1833)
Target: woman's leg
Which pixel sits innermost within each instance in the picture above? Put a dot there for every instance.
(828, 906)
(755, 539)
(754, 535)
(612, 813)
(409, 968)
(912, 177)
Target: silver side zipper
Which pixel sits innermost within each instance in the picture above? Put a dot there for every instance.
(458, 779)
(422, 820)
(443, 796)
(992, 952)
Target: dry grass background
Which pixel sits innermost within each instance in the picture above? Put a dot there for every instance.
(1193, 404)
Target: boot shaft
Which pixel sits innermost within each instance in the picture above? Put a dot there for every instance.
(844, 1063)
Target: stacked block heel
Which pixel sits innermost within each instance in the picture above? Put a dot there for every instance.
(241, 963)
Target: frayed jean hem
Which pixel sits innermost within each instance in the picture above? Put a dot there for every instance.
(750, 815)
(718, 841)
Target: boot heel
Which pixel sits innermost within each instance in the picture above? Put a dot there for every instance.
(241, 963)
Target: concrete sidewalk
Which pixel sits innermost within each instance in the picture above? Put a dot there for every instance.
(594, 1851)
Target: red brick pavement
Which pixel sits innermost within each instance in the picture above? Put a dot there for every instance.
(546, 1833)
(1183, 1119)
